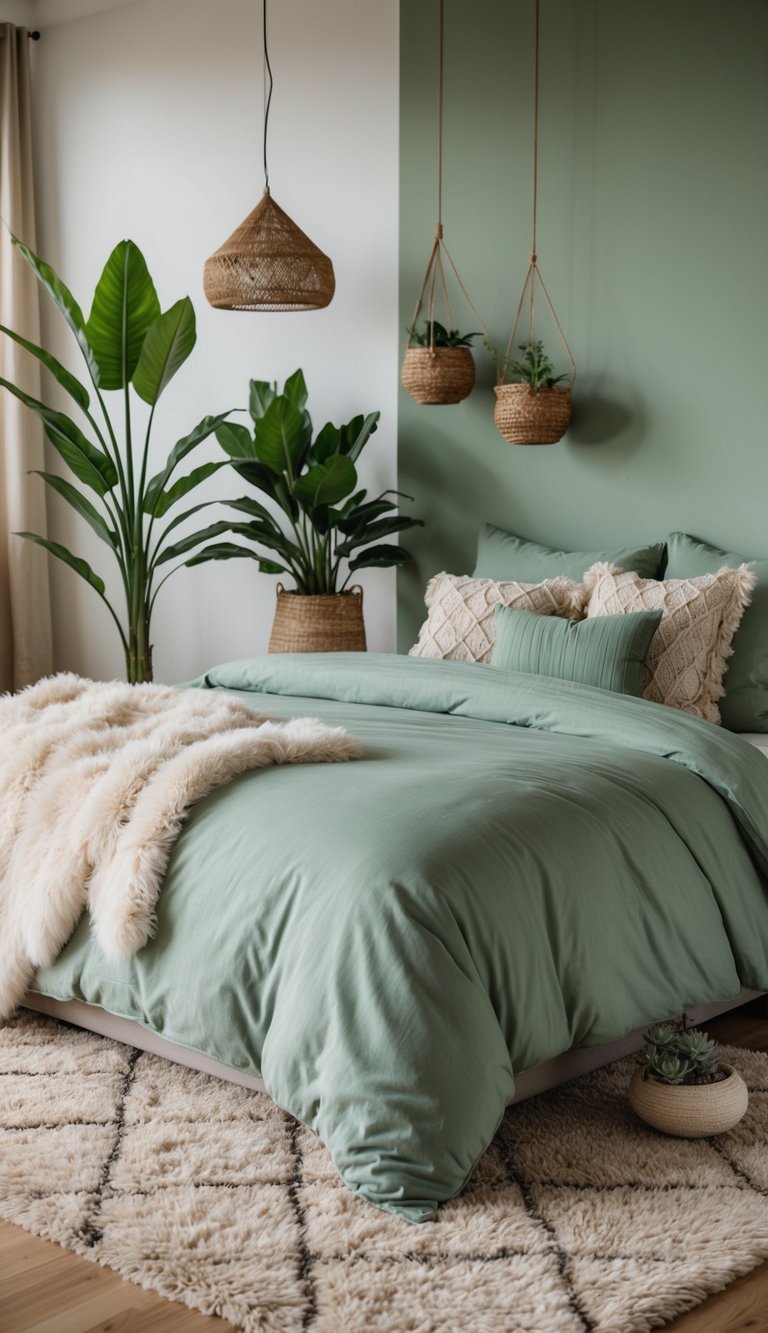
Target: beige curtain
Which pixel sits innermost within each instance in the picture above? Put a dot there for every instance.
(25, 611)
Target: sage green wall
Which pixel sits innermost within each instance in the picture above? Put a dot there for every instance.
(653, 233)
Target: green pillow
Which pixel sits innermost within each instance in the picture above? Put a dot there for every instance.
(606, 651)
(502, 555)
(745, 705)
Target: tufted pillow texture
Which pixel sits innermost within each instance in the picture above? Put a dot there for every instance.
(461, 620)
(689, 652)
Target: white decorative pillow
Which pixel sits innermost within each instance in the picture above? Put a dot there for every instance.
(689, 651)
(461, 623)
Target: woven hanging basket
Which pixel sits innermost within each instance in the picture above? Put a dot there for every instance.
(689, 1112)
(438, 374)
(323, 624)
(268, 263)
(532, 416)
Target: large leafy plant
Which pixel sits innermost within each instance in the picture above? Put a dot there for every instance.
(128, 346)
(318, 525)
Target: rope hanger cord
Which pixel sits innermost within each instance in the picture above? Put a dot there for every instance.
(267, 94)
(435, 271)
(533, 274)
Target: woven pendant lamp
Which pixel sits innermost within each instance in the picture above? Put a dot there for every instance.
(268, 263)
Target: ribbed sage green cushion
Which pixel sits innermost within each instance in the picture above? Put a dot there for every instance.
(606, 651)
(744, 706)
(502, 555)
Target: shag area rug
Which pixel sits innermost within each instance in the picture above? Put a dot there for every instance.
(578, 1217)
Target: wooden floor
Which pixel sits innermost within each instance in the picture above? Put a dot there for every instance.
(44, 1289)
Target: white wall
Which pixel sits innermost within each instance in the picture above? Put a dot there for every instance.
(148, 125)
(20, 12)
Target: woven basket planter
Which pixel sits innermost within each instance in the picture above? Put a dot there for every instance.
(438, 374)
(325, 624)
(689, 1112)
(528, 416)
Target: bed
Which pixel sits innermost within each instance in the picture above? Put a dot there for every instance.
(519, 873)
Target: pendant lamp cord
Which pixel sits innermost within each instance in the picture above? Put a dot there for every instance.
(268, 102)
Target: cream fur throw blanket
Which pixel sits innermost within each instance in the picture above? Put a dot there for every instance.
(95, 783)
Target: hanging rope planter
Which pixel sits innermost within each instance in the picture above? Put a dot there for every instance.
(537, 409)
(438, 366)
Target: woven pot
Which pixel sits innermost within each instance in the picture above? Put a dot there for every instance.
(438, 374)
(689, 1112)
(325, 624)
(532, 416)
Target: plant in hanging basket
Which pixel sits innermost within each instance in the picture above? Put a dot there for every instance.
(325, 528)
(440, 367)
(681, 1087)
(536, 409)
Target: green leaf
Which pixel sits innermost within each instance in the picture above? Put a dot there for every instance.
(65, 301)
(380, 557)
(245, 505)
(167, 345)
(360, 518)
(183, 516)
(89, 464)
(295, 389)
(125, 305)
(166, 499)
(235, 440)
(355, 435)
(80, 567)
(270, 535)
(68, 382)
(259, 476)
(326, 483)
(83, 506)
(231, 551)
(262, 395)
(327, 442)
(180, 450)
(192, 539)
(282, 436)
(373, 532)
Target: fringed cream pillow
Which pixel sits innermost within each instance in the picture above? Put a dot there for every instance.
(461, 620)
(689, 651)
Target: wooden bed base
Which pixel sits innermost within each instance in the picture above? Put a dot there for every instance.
(579, 1060)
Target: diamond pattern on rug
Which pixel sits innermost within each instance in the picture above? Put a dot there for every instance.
(577, 1217)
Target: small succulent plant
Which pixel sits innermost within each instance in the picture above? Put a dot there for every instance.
(675, 1053)
(436, 334)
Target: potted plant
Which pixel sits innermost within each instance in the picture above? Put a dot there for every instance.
(325, 529)
(129, 346)
(438, 366)
(681, 1086)
(536, 407)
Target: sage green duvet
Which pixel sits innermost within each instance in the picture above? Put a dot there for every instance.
(517, 865)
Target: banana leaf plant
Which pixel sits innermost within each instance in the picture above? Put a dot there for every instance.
(328, 528)
(128, 346)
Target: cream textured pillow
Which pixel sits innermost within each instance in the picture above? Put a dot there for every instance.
(461, 623)
(689, 651)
